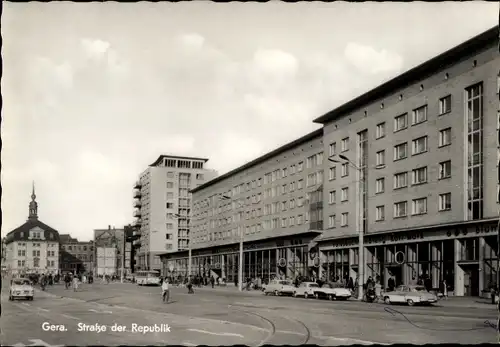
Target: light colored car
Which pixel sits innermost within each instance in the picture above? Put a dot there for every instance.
(411, 295)
(332, 291)
(21, 288)
(306, 289)
(280, 287)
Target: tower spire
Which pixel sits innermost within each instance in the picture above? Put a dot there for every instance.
(33, 208)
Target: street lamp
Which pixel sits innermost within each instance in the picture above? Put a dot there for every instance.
(361, 231)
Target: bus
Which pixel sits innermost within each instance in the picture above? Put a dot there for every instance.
(147, 278)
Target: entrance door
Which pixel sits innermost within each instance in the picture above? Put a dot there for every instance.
(397, 273)
(471, 280)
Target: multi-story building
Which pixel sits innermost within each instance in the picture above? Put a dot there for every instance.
(111, 251)
(162, 204)
(411, 165)
(76, 256)
(271, 201)
(33, 247)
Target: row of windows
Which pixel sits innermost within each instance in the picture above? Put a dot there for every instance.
(419, 207)
(22, 263)
(311, 162)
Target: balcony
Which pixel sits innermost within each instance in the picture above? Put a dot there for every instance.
(137, 203)
(137, 224)
(137, 213)
(137, 184)
(137, 194)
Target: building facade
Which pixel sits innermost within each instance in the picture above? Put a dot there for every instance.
(33, 247)
(111, 252)
(270, 201)
(162, 203)
(411, 165)
(76, 256)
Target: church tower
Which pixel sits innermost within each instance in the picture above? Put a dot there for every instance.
(33, 210)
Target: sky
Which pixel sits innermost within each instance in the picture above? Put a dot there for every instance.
(94, 92)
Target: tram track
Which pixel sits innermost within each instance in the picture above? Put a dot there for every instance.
(275, 334)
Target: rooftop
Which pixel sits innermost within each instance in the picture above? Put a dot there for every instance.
(415, 74)
(166, 156)
(261, 159)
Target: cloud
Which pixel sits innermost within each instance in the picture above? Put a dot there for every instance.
(95, 48)
(274, 61)
(192, 41)
(171, 144)
(239, 147)
(369, 60)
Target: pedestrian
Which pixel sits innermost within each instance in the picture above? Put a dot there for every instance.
(444, 289)
(391, 284)
(165, 291)
(190, 287)
(75, 283)
(212, 281)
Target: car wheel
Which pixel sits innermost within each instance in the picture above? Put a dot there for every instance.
(305, 296)
(330, 297)
(316, 295)
(276, 293)
(294, 294)
(266, 293)
(10, 297)
(387, 300)
(334, 297)
(410, 302)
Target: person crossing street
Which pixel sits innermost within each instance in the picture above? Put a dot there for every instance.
(165, 290)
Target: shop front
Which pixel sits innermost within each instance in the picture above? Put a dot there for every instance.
(283, 258)
(465, 257)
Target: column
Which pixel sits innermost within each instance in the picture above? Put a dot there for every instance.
(352, 273)
(278, 271)
(458, 272)
(368, 263)
(223, 265)
(322, 259)
(436, 261)
(482, 285)
(407, 270)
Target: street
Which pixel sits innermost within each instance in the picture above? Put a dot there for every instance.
(228, 317)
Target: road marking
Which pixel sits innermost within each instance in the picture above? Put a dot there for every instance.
(290, 332)
(36, 342)
(92, 310)
(22, 307)
(43, 309)
(25, 304)
(70, 317)
(352, 341)
(189, 344)
(212, 333)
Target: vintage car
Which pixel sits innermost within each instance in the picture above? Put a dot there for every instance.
(279, 287)
(305, 289)
(411, 295)
(21, 288)
(332, 291)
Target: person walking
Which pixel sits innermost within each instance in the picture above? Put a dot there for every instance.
(444, 289)
(75, 283)
(165, 289)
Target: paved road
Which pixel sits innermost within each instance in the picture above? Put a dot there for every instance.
(225, 317)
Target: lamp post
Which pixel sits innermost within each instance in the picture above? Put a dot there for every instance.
(362, 205)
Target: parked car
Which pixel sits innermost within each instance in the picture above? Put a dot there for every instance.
(411, 295)
(305, 289)
(21, 288)
(332, 291)
(279, 287)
